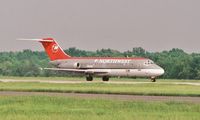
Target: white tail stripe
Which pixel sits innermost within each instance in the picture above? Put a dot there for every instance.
(38, 40)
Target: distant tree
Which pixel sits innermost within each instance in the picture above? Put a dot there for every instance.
(138, 51)
(108, 53)
(177, 63)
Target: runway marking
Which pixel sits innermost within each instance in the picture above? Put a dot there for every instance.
(110, 82)
(106, 96)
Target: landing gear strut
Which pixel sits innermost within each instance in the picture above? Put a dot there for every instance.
(153, 79)
(89, 78)
(105, 78)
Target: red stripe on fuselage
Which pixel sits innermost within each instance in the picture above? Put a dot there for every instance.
(109, 58)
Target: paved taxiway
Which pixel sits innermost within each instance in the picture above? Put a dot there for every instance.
(106, 96)
(110, 82)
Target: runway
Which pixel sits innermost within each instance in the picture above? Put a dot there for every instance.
(109, 82)
(106, 96)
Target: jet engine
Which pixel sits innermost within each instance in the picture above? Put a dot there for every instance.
(77, 65)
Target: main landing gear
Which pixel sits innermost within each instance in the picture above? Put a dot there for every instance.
(153, 79)
(105, 78)
(90, 78)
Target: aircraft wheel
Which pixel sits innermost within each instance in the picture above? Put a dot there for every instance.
(89, 78)
(105, 78)
(153, 79)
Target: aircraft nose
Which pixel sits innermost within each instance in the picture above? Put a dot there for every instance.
(161, 71)
(156, 72)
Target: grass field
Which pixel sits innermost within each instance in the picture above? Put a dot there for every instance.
(71, 108)
(95, 79)
(63, 108)
(163, 89)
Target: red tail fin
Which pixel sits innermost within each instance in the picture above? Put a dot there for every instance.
(53, 50)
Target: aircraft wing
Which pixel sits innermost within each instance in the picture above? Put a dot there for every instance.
(85, 71)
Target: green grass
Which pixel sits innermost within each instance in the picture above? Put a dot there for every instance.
(63, 108)
(162, 87)
(69, 108)
(75, 78)
(43, 78)
(135, 89)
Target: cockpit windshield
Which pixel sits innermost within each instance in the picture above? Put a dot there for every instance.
(148, 62)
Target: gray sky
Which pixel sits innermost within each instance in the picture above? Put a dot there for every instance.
(155, 25)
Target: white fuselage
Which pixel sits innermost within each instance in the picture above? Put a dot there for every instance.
(112, 67)
(133, 72)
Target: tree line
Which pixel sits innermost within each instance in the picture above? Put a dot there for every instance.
(177, 63)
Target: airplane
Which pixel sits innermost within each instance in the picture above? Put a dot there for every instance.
(104, 67)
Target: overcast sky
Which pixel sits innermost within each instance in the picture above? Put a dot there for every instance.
(155, 25)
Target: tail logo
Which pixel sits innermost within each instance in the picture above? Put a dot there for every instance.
(55, 48)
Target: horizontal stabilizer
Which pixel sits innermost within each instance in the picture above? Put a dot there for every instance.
(38, 40)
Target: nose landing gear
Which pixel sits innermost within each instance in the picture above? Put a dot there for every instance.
(153, 79)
